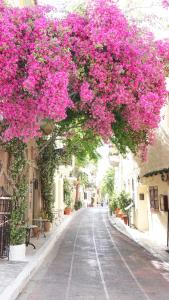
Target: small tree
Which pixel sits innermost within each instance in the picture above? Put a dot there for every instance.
(108, 184)
(123, 200)
(113, 203)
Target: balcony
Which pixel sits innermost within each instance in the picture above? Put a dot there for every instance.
(114, 159)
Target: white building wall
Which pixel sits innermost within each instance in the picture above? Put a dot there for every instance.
(157, 219)
(141, 209)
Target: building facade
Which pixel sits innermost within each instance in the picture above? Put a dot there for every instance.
(147, 182)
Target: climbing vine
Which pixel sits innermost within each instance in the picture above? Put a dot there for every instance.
(67, 189)
(17, 179)
(47, 161)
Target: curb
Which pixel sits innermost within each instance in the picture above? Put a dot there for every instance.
(16, 287)
(123, 231)
(126, 231)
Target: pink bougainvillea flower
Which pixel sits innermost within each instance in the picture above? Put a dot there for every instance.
(113, 70)
(165, 3)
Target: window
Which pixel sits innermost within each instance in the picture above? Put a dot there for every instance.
(163, 202)
(153, 192)
(141, 196)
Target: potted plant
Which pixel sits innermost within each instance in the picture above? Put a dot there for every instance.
(47, 222)
(68, 210)
(124, 200)
(17, 247)
(78, 205)
(47, 226)
(17, 164)
(113, 205)
(67, 196)
(36, 232)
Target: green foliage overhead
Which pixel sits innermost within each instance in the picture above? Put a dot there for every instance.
(84, 179)
(83, 145)
(124, 137)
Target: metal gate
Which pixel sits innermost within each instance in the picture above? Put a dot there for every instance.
(5, 211)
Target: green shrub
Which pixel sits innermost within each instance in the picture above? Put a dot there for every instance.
(123, 200)
(78, 205)
(113, 203)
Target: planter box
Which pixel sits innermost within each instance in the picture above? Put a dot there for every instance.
(17, 252)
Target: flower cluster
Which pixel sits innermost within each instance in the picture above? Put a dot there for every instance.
(117, 70)
(35, 64)
(110, 67)
(165, 3)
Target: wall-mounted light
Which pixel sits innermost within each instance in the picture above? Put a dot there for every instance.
(138, 178)
(165, 177)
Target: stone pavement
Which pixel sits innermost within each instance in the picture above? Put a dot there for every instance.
(94, 261)
(142, 238)
(15, 275)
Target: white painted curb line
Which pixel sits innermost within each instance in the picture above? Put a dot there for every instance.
(18, 284)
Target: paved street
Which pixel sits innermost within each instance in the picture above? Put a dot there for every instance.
(92, 260)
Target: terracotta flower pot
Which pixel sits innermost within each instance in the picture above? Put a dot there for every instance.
(125, 219)
(117, 210)
(47, 226)
(67, 211)
(119, 213)
(36, 232)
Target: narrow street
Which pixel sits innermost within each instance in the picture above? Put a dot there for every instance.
(94, 261)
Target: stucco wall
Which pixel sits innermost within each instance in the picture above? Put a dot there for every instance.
(141, 214)
(157, 219)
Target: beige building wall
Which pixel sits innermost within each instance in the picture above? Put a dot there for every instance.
(60, 194)
(157, 219)
(4, 157)
(58, 191)
(64, 171)
(56, 202)
(32, 175)
(23, 3)
(141, 210)
(143, 217)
